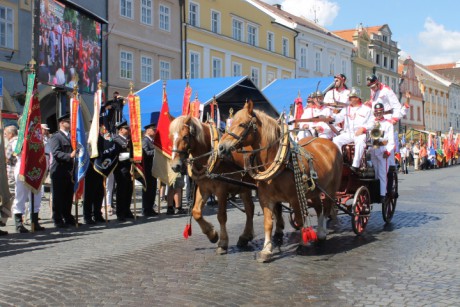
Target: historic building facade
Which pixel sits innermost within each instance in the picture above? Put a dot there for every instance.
(235, 38)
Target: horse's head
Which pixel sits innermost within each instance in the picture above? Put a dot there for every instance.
(242, 132)
(184, 132)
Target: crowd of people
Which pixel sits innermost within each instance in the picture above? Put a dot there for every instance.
(60, 158)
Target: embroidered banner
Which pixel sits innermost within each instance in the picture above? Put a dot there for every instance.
(94, 130)
(33, 161)
(134, 104)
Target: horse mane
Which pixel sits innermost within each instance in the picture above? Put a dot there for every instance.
(271, 128)
(178, 123)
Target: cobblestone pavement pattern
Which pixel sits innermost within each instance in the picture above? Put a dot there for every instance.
(412, 262)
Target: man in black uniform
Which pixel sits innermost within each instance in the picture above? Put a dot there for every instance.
(122, 172)
(148, 196)
(61, 173)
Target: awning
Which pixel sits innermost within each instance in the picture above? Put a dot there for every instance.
(230, 92)
(282, 92)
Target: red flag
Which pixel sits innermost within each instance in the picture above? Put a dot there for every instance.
(73, 122)
(33, 161)
(186, 102)
(299, 108)
(161, 140)
(195, 108)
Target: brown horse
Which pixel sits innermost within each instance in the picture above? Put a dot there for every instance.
(192, 141)
(254, 129)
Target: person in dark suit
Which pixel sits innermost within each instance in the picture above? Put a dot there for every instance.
(122, 172)
(61, 173)
(148, 196)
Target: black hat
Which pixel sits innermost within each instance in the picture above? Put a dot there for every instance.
(371, 80)
(152, 125)
(65, 117)
(341, 77)
(122, 124)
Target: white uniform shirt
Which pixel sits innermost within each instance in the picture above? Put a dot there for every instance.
(324, 131)
(385, 95)
(388, 133)
(354, 118)
(334, 95)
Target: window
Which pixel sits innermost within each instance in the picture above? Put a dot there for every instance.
(270, 77)
(216, 68)
(392, 64)
(236, 69)
(146, 12)
(237, 27)
(215, 21)
(193, 14)
(270, 41)
(126, 8)
(358, 76)
(194, 65)
(165, 13)
(387, 80)
(385, 61)
(331, 65)
(165, 70)
(252, 35)
(6, 27)
(344, 66)
(126, 65)
(411, 112)
(377, 59)
(255, 75)
(146, 69)
(285, 46)
(317, 61)
(418, 113)
(385, 38)
(303, 57)
(393, 85)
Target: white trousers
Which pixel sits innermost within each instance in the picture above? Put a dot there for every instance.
(381, 166)
(22, 194)
(360, 144)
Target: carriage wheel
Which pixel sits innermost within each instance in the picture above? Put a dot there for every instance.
(389, 205)
(292, 220)
(361, 210)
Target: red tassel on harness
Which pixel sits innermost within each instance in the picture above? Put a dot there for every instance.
(308, 234)
(187, 231)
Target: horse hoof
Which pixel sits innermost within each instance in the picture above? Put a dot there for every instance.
(243, 242)
(214, 238)
(278, 239)
(221, 250)
(322, 236)
(263, 257)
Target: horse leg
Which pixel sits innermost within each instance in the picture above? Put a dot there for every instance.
(324, 210)
(266, 253)
(222, 245)
(248, 232)
(205, 226)
(279, 226)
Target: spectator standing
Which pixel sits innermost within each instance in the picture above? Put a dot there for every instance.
(148, 151)
(416, 152)
(423, 157)
(405, 153)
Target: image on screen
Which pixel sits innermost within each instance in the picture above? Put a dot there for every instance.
(69, 47)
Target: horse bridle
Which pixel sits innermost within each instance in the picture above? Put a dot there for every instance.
(240, 138)
(187, 150)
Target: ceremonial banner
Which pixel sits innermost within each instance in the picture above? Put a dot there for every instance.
(80, 145)
(33, 161)
(134, 105)
(25, 114)
(106, 162)
(298, 108)
(186, 101)
(163, 146)
(215, 113)
(94, 130)
(5, 195)
(195, 108)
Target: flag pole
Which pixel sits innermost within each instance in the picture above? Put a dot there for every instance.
(104, 186)
(132, 165)
(32, 209)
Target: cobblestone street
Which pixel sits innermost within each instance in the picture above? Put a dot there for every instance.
(414, 261)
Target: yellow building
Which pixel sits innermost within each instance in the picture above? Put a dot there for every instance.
(234, 38)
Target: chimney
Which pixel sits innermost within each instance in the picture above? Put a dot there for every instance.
(278, 6)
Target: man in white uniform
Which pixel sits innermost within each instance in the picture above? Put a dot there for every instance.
(339, 93)
(384, 94)
(357, 120)
(380, 155)
(322, 129)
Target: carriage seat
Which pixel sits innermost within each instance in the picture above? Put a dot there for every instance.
(348, 152)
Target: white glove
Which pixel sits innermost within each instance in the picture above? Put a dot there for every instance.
(123, 156)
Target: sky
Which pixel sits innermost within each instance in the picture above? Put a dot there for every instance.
(427, 31)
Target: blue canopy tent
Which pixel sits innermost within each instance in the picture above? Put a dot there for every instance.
(282, 92)
(230, 92)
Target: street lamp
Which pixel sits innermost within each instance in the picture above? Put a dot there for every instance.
(28, 68)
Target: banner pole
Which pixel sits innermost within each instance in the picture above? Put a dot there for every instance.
(134, 190)
(32, 208)
(158, 196)
(104, 184)
(76, 210)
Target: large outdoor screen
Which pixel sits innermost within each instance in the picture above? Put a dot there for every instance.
(69, 47)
